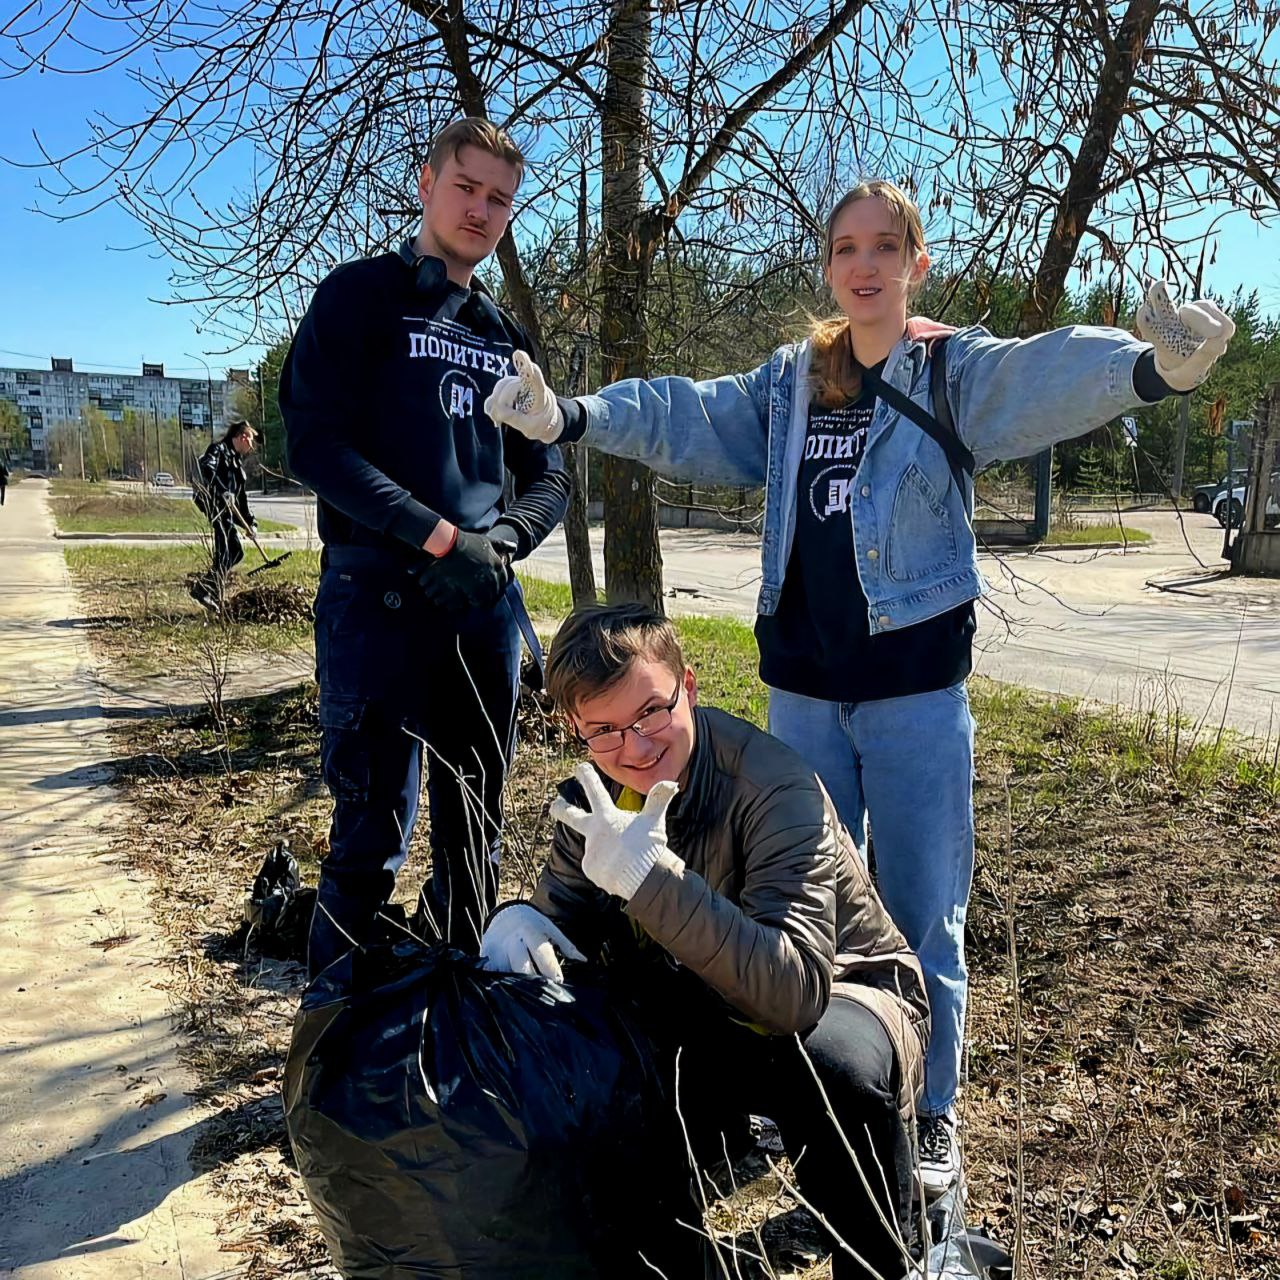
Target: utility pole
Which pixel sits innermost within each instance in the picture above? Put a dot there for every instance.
(1180, 444)
(262, 426)
(1184, 407)
(80, 438)
(208, 385)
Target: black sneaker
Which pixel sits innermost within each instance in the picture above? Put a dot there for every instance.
(204, 595)
(939, 1153)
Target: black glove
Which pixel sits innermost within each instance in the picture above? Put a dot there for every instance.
(472, 575)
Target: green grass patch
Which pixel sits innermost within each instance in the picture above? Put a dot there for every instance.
(723, 653)
(81, 507)
(547, 602)
(148, 619)
(1066, 746)
(1095, 533)
(147, 573)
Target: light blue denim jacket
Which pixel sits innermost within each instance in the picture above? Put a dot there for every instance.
(915, 553)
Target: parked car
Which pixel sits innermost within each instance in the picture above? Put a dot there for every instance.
(1204, 496)
(1221, 510)
(163, 479)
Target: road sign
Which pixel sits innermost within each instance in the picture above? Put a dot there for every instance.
(1130, 431)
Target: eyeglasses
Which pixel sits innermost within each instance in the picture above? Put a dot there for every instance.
(654, 721)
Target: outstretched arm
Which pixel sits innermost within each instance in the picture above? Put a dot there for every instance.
(1013, 397)
(714, 431)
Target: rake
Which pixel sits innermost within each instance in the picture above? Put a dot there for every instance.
(267, 562)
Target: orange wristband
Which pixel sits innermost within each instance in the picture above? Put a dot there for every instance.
(433, 543)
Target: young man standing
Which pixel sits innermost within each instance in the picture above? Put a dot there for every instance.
(709, 866)
(418, 616)
(218, 489)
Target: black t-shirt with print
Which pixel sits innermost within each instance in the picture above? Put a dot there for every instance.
(819, 642)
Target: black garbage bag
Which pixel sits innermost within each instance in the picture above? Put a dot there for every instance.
(277, 909)
(456, 1123)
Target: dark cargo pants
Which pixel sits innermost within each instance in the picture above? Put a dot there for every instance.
(226, 553)
(403, 685)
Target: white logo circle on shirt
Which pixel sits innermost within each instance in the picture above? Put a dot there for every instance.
(459, 394)
(829, 494)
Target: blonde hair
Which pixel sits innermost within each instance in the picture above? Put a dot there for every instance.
(833, 373)
(596, 646)
(475, 131)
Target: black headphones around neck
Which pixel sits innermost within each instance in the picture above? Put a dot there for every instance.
(429, 274)
(432, 281)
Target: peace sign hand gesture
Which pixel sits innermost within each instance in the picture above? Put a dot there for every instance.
(1188, 340)
(621, 848)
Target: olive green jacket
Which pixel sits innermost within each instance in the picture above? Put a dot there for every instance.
(762, 895)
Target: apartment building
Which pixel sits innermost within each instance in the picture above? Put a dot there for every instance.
(55, 397)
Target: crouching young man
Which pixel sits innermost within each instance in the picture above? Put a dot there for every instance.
(710, 863)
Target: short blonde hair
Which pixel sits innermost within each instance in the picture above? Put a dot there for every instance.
(834, 375)
(596, 646)
(475, 131)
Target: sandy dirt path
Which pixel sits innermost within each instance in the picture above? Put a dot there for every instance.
(97, 1128)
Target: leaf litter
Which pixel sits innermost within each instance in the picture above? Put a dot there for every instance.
(1133, 1077)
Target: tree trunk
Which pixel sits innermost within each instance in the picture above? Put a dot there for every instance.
(632, 555)
(577, 536)
(1082, 192)
(582, 578)
(577, 539)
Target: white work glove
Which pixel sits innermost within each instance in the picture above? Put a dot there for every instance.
(621, 848)
(524, 401)
(520, 939)
(1188, 339)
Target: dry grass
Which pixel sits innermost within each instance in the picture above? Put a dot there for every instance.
(1146, 924)
(1122, 1113)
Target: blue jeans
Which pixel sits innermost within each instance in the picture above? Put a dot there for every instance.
(906, 765)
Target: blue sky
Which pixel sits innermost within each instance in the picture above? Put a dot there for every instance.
(80, 289)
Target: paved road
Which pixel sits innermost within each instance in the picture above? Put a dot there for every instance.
(294, 509)
(1079, 623)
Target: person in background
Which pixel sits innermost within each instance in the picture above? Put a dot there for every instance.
(218, 490)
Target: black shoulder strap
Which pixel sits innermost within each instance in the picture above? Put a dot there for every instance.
(940, 428)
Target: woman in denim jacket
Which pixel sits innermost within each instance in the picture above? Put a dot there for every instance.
(870, 570)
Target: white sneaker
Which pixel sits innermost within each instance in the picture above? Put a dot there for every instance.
(939, 1153)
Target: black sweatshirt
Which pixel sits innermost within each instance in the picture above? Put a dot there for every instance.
(382, 394)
